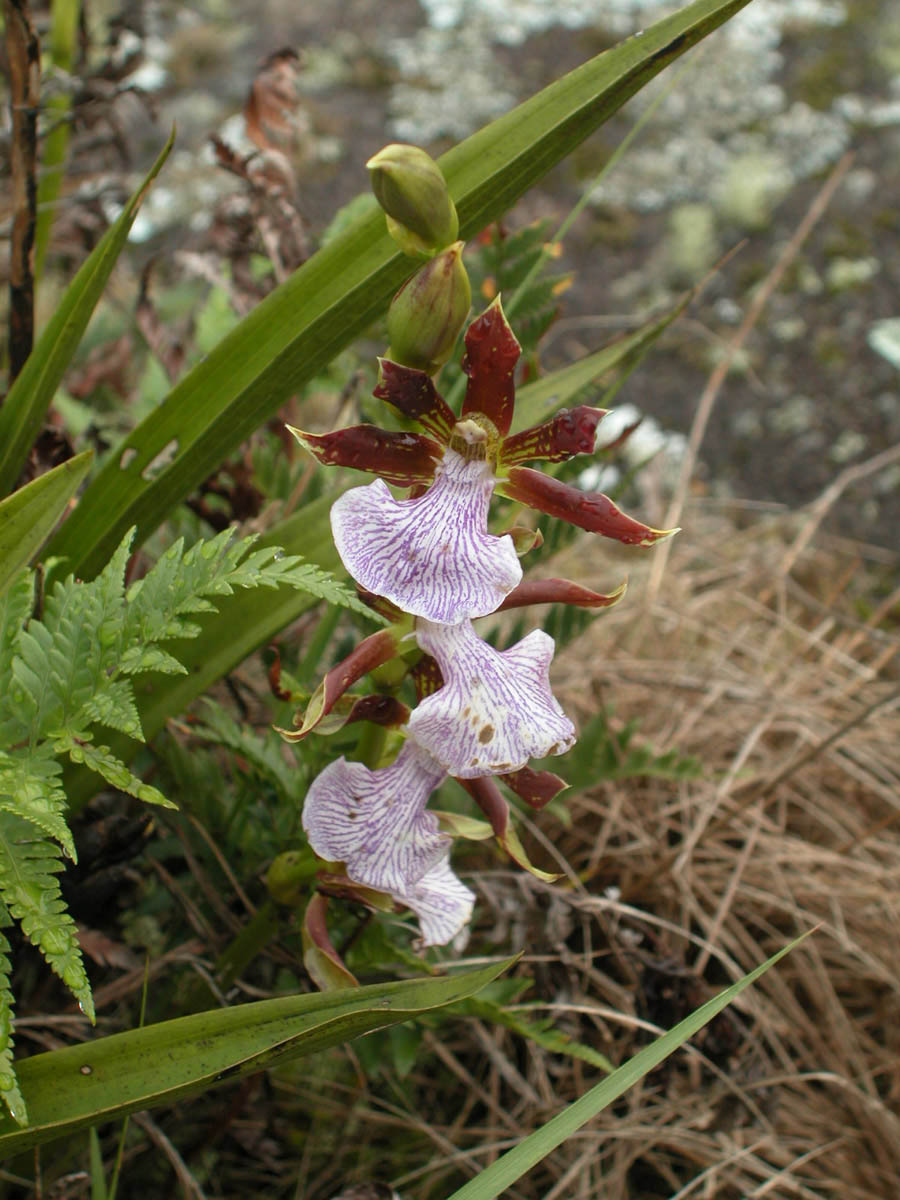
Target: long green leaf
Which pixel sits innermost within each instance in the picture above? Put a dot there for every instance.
(107, 1078)
(344, 287)
(515, 1163)
(540, 399)
(28, 515)
(29, 397)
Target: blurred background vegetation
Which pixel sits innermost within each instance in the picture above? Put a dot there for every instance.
(728, 794)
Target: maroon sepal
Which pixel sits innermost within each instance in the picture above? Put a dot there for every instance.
(493, 804)
(559, 591)
(371, 652)
(380, 604)
(380, 710)
(491, 801)
(426, 677)
(414, 394)
(278, 691)
(570, 432)
(536, 788)
(401, 458)
(325, 966)
(489, 361)
(588, 510)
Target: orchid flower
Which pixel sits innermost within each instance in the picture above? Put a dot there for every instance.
(495, 710)
(375, 823)
(432, 554)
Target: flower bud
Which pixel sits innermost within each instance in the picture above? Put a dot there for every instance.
(409, 186)
(428, 313)
(290, 875)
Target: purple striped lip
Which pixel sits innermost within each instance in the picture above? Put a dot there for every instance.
(432, 556)
(441, 902)
(495, 710)
(375, 822)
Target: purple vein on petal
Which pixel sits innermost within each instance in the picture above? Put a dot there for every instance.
(375, 822)
(432, 556)
(495, 710)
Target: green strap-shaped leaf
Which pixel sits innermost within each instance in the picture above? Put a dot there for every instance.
(496, 1178)
(29, 397)
(28, 515)
(540, 399)
(300, 327)
(66, 1090)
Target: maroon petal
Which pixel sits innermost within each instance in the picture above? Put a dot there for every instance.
(413, 393)
(559, 591)
(489, 361)
(380, 710)
(374, 650)
(569, 432)
(588, 510)
(325, 966)
(404, 459)
(492, 803)
(536, 788)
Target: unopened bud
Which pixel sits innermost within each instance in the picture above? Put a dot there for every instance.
(428, 313)
(288, 878)
(409, 186)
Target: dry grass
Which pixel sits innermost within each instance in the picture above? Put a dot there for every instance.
(780, 673)
(790, 699)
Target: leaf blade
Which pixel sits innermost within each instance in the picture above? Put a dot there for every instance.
(27, 516)
(29, 397)
(492, 1181)
(97, 1081)
(341, 289)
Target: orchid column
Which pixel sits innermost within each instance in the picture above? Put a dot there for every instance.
(431, 563)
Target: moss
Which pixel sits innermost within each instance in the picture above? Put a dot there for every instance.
(829, 351)
(849, 239)
(832, 72)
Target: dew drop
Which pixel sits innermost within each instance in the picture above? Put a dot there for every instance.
(86, 1069)
(129, 454)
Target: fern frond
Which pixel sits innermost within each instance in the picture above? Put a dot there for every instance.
(114, 706)
(31, 787)
(265, 754)
(102, 760)
(9, 1088)
(30, 889)
(15, 609)
(182, 580)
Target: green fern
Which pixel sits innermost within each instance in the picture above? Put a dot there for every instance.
(8, 1085)
(70, 671)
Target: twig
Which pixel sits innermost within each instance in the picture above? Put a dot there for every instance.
(23, 52)
(189, 1185)
(713, 387)
(820, 507)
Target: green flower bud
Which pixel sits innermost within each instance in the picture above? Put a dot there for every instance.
(290, 875)
(409, 186)
(428, 313)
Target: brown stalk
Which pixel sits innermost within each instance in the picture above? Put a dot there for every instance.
(24, 54)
